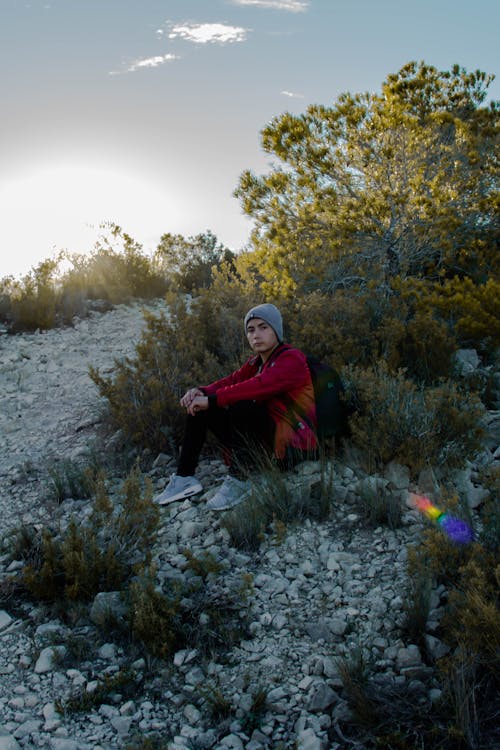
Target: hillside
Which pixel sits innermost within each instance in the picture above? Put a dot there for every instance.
(277, 636)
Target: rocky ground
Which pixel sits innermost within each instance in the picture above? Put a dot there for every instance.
(313, 594)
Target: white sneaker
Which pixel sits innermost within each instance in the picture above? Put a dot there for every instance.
(231, 493)
(178, 488)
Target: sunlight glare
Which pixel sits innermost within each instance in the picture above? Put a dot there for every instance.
(62, 208)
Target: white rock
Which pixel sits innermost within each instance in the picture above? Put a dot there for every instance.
(7, 742)
(232, 741)
(108, 651)
(5, 619)
(191, 714)
(48, 657)
(121, 725)
(109, 712)
(436, 648)
(128, 708)
(62, 743)
(27, 728)
(307, 740)
(467, 360)
(398, 475)
(408, 657)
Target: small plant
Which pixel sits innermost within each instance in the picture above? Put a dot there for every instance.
(439, 556)
(218, 705)
(254, 717)
(79, 647)
(213, 616)
(82, 701)
(277, 499)
(71, 480)
(246, 525)
(416, 606)
(203, 566)
(354, 672)
(381, 507)
(398, 420)
(471, 693)
(201, 613)
(472, 619)
(197, 342)
(490, 514)
(155, 618)
(149, 742)
(99, 554)
(470, 626)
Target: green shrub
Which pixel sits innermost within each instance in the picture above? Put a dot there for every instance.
(215, 614)
(390, 715)
(254, 717)
(81, 701)
(218, 705)
(354, 671)
(189, 264)
(470, 626)
(490, 513)
(68, 479)
(117, 271)
(360, 327)
(198, 613)
(416, 606)
(470, 306)
(276, 501)
(472, 620)
(471, 700)
(397, 420)
(426, 349)
(381, 506)
(196, 343)
(154, 617)
(153, 741)
(33, 300)
(204, 566)
(97, 554)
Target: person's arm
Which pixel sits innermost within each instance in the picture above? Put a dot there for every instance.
(196, 399)
(287, 373)
(245, 372)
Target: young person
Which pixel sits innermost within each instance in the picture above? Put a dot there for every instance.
(267, 405)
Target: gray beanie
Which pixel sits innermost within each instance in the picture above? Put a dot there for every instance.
(270, 314)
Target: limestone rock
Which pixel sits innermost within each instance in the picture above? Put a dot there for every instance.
(5, 619)
(107, 604)
(467, 361)
(48, 658)
(323, 697)
(7, 742)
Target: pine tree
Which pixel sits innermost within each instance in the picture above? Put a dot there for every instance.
(400, 183)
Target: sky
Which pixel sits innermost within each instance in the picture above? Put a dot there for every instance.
(144, 113)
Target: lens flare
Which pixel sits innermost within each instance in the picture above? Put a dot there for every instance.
(455, 528)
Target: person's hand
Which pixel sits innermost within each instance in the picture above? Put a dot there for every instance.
(199, 403)
(189, 397)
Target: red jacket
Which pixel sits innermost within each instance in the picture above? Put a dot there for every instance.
(284, 384)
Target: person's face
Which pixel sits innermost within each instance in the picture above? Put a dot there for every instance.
(261, 336)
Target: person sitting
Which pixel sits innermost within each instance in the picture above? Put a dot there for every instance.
(265, 407)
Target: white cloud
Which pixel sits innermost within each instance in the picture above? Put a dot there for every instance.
(292, 95)
(294, 6)
(201, 33)
(152, 62)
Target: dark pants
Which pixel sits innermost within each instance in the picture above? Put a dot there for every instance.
(245, 432)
